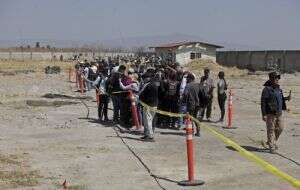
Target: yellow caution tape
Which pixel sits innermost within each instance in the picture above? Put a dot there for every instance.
(162, 112)
(267, 166)
(119, 92)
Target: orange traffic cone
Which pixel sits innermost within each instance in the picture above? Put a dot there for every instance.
(65, 184)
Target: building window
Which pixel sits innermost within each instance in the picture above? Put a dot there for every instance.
(198, 55)
(193, 56)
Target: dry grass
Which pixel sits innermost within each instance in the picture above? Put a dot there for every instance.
(199, 65)
(19, 178)
(37, 66)
(10, 159)
(14, 174)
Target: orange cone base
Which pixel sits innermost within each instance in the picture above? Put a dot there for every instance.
(191, 183)
(229, 127)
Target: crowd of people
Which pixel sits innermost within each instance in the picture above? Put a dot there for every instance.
(162, 85)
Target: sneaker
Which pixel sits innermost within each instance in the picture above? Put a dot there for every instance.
(197, 134)
(265, 144)
(272, 150)
(149, 139)
(221, 120)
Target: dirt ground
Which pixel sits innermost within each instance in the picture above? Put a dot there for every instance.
(47, 139)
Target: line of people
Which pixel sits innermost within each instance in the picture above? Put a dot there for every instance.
(162, 85)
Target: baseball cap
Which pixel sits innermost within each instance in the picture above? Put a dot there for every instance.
(274, 75)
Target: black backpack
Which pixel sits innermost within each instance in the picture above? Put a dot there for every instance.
(172, 88)
(92, 75)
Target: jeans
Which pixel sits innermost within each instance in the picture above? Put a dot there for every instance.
(206, 108)
(116, 105)
(103, 106)
(221, 101)
(88, 85)
(182, 109)
(148, 116)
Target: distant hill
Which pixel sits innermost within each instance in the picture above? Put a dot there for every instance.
(150, 40)
(130, 42)
(43, 43)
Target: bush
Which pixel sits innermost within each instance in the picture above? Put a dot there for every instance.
(52, 70)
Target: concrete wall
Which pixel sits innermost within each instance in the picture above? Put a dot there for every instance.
(292, 60)
(285, 61)
(257, 61)
(52, 55)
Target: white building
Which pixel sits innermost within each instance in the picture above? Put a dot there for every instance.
(185, 52)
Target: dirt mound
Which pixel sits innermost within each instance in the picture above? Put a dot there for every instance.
(198, 66)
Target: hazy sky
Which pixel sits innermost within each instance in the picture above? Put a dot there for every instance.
(262, 23)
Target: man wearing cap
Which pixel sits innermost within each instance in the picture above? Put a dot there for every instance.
(272, 105)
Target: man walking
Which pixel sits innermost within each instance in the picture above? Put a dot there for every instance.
(272, 105)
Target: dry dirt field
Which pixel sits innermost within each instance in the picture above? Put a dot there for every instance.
(47, 139)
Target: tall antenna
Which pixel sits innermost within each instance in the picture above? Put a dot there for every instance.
(22, 42)
(118, 27)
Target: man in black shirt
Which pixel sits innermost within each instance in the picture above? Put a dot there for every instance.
(149, 96)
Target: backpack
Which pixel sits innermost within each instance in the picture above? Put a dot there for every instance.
(92, 75)
(172, 88)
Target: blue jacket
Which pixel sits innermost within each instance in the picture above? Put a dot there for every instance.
(269, 100)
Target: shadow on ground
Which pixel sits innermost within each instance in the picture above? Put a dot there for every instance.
(173, 133)
(63, 96)
(249, 148)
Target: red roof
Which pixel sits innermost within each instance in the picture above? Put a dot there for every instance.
(176, 45)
